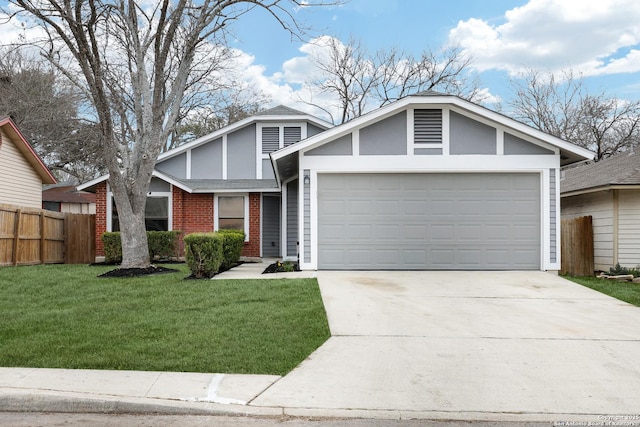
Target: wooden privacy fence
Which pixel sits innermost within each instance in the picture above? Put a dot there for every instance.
(577, 246)
(36, 236)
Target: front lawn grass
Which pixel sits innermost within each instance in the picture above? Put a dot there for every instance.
(624, 291)
(64, 316)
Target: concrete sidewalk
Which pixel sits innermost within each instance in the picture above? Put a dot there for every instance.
(80, 390)
(253, 268)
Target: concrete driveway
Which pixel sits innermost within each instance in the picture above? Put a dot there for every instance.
(477, 345)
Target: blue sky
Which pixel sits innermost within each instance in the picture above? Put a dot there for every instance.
(598, 38)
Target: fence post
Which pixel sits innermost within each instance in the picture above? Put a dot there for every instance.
(16, 236)
(42, 237)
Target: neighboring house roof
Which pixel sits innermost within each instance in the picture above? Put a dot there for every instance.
(622, 169)
(12, 131)
(66, 194)
(282, 159)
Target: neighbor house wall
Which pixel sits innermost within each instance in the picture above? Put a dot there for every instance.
(600, 206)
(78, 208)
(21, 185)
(628, 228)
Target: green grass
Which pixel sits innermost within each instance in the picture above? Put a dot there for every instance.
(624, 291)
(63, 316)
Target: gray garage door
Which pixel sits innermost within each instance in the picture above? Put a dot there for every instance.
(475, 221)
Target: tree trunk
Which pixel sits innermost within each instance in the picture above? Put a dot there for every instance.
(135, 249)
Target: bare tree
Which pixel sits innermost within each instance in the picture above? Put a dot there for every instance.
(232, 103)
(347, 73)
(402, 74)
(46, 109)
(359, 81)
(563, 107)
(135, 61)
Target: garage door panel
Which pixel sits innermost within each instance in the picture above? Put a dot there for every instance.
(414, 232)
(360, 232)
(429, 221)
(441, 232)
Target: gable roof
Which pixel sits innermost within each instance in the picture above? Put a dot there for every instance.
(619, 169)
(569, 153)
(67, 194)
(281, 110)
(12, 131)
(279, 113)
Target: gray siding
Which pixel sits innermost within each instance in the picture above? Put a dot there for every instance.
(292, 218)
(427, 151)
(175, 166)
(267, 170)
(514, 145)
(241, 153)
(307, 220)
(270, 226)
(313, 130)
(160, 186)
(468, 136)
(206, 161)
(553, 238)
(340, 147)
(388, 136)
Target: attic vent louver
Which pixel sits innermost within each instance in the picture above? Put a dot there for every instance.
(292, 135)
(427, 126)
(270, 139)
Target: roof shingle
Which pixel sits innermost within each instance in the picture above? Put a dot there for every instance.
(620, 169)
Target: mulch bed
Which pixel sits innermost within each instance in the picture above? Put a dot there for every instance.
(275, 268)
(134, 272)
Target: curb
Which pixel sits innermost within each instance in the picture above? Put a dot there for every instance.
(38, 401)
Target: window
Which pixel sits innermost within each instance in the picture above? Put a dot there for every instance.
(232, 213)
(156, 216)
(52, 206)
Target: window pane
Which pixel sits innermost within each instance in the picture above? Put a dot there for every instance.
(156, 214)
(231, 207)
(157, 207)
(231, 224)
(156, 224)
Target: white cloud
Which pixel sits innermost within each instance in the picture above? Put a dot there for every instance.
(589, 36)
(17, 29)
(289, 85)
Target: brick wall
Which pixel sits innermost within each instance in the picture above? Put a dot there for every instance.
(252, 247)
(191, 213)
(101, 216)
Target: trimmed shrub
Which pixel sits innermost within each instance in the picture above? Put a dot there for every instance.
(203, 253)
(112, 247)
(162, 244)
(232, 244)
